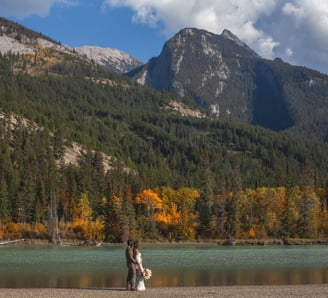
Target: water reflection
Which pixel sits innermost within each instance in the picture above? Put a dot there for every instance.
(241, 277)
(172, 266)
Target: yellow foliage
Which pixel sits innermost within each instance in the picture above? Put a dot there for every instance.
(104, 202)
(186, 198)
(117, 202)
(83, 228)
(280, 199)
(84, 210)
(41, 56)
(97, 230)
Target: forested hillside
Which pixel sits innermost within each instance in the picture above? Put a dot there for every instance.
(172, 177)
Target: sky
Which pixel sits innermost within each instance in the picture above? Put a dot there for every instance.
(294, 30)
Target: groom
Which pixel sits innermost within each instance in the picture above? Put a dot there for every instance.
(131, 263)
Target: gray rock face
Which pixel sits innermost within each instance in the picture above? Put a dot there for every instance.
(112, 59)
(228, 80)
(199, 64)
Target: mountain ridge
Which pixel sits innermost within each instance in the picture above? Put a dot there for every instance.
(216, 73)
(110, 58)
(232, 82)
(15, 38)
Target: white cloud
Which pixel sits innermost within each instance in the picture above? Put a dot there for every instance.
(294, 30)
(305, 32)
(239, 16)
(23, 8)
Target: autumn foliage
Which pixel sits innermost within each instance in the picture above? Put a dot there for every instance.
(172, 214)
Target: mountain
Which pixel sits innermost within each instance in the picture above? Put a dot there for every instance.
(86, 152)
(157, 134)
(112, 59)
(17, 39)
(199, 64)
(228, 79)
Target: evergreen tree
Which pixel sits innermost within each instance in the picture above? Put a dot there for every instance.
(289, 219)
(308, 220)
(206, 199)
(5, 215)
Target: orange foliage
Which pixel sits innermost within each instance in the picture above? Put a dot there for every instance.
(24, 230)
(79, 228)
(150, 200)
(251, 233)
(171, 217)
(14, 230)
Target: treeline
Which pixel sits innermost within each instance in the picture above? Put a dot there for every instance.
(168, 214)
(42, 198)
(18, 31)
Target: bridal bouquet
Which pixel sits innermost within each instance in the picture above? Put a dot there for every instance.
(147, 274)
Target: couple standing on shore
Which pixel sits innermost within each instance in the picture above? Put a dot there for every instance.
(135, 278)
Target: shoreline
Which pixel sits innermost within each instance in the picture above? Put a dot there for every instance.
(317, 290)
(223, 242)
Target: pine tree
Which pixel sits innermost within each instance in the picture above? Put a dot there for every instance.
(4, 202)
(288, 222)
(206, 199)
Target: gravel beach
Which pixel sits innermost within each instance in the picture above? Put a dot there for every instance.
(181, 292)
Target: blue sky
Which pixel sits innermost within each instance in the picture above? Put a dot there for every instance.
(89, 23)
(294, 30)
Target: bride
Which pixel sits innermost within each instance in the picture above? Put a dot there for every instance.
(140, 283)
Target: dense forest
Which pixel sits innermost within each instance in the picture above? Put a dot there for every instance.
(171, 177)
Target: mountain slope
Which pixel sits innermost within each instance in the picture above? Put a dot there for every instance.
(161, 139)
(229, 80)
(147, 132)
(112, 59)
(17, 39)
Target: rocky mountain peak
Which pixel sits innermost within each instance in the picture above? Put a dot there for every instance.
(196, 63)
(230, 81)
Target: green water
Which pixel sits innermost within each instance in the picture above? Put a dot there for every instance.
(105, 267)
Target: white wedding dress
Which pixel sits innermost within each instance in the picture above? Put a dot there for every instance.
(140, 283)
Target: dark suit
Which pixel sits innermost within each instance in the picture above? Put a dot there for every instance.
(131, 264)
